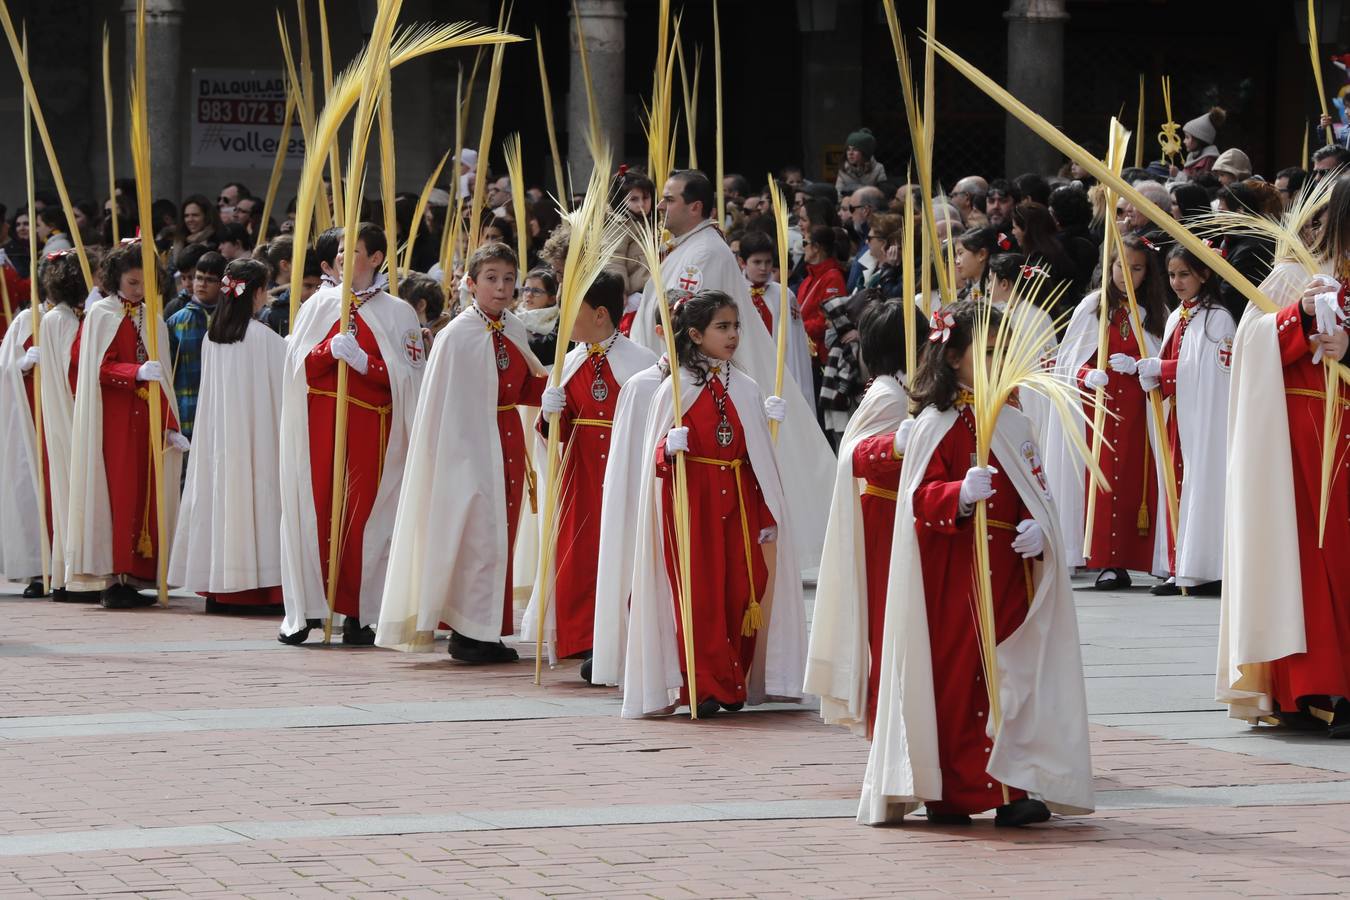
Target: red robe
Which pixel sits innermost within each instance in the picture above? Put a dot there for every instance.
(19, 294)
(1122, 532)
(1171, 353)
(720, 581)
(126, 452)
(368, 408)
(874, 459)
(516, 386)
(757, 298)
(947, 548)
(585, 437)
(1325, 668)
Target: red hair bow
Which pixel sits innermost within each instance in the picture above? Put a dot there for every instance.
(232, 286)
(1003, 242)
(1032, 271)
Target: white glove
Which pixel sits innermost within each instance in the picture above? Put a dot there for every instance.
(977, 485)
(31, 357)
(555, 401)
(1096, 379)
(345, 348)
(150, 370)
(768, 535)
(775, 408)
(1329, 312)
(902, 436)
(1030, 540)
(677, 441)
(632, 302)
(1123, 363)
(176, 441)
(1149, 367)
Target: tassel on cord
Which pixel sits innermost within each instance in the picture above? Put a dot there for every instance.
(1142, 521)
(145, 548)
(753, 620)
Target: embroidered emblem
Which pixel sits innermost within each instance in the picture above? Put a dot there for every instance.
(1224, 355)
(690, 279)
(413, 348)
(1033, 459)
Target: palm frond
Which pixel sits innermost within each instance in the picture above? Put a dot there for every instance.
(421, 208)
(562, 196)
(515, 170)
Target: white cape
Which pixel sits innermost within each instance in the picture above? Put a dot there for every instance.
(229, 522)
(1201, 406)
(1042, 747)
(1065, 471)
(798, 361)
(626, 359)
(89, 520)
(628, 464)
(839, 656)
(652, 678)
(21, 536)
(1261, 610)
(702, 260)
(302, 571)
(447, 559)
(59, 328)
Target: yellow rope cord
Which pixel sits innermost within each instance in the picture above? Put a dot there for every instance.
(754, 616)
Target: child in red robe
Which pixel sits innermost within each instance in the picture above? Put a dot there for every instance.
(594, 375)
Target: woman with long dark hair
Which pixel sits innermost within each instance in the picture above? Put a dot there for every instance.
(1034, 230)
(226, 546)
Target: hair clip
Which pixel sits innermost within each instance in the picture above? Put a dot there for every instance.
(232, 286)
(623, 170)
(1003, 242)
(1221, 248)
(58, 254)
(1149, 244)
(127, 241)
(942, 325)
(1033, 272)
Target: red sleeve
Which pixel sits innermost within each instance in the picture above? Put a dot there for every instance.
(320, 360)
(875, 457)
(937, 501)
(18, 289)
(532, 391)
(117, 374)
(1292, 334)
(662, 463)
(376, 370)
(1168, 377)
(1084, 369)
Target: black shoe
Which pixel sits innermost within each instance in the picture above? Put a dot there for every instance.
(34, 589)
(295, 640)
(586, 668)
(947, 818)
(214, 607)
(734, 707)
(1339, 729)
(1112, 580)
(354, 634)
(1208, 589)
(1021, 812)
(467, 650)
(59, 595)
(124, 596)
(1166, 589)
(708, 708)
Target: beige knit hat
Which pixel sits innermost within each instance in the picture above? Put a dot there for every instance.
(1233, 162)
(1204, 128)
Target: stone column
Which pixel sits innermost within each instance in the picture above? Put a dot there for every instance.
(1036, 77)
(602, 21)
(163, 78)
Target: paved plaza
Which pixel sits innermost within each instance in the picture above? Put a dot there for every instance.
(165, 753)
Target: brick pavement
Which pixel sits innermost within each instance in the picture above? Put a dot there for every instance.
(226, 781)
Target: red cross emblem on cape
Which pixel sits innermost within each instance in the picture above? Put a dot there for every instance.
(413, 348)
(690, 279)
(1225, 354)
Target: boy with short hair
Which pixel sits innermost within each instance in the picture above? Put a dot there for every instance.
(382, 348)
(187, 329)
(594, 375)
(450, 561)
(758, 262)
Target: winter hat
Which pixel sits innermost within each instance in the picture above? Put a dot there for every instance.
(864, 141)
(1203, 128)
(1233, 162)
